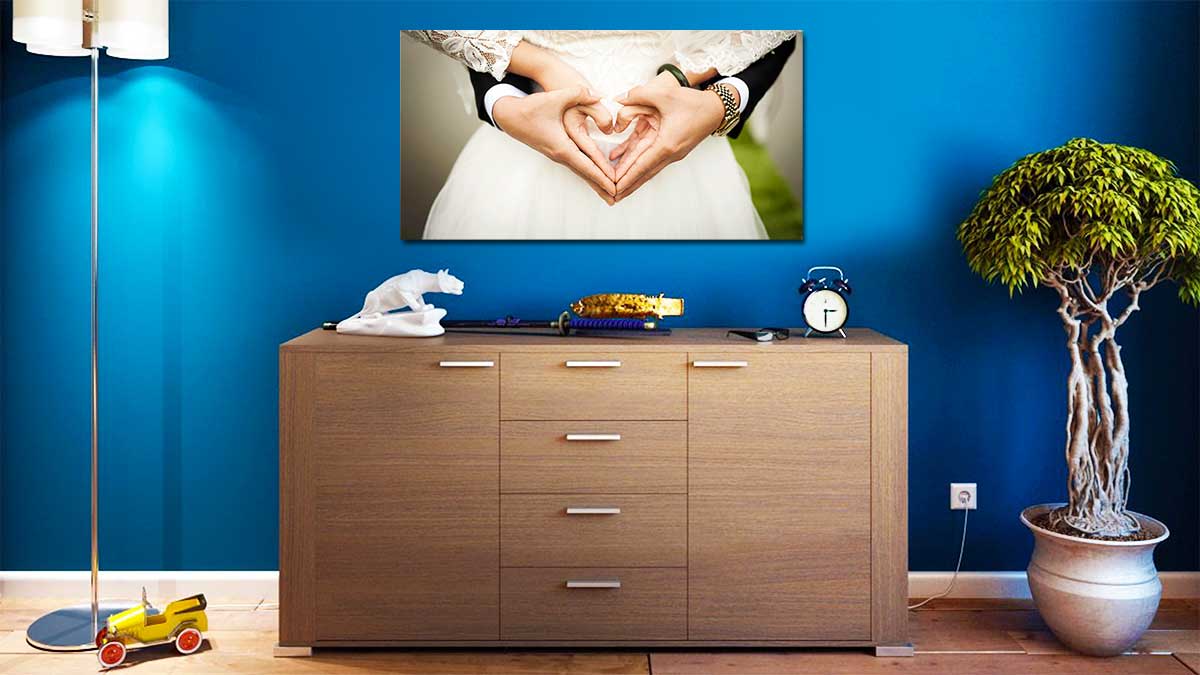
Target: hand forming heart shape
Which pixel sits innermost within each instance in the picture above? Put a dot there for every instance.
(668, 122)
(554, 124)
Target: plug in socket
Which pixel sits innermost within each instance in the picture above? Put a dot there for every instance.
(956, 501)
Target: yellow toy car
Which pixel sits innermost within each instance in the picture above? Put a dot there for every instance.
(184, 623)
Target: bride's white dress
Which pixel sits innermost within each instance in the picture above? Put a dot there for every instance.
(499, 188)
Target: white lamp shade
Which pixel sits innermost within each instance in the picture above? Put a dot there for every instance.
(52, 27)
(130, 29)
(50, 50)
(135, 29)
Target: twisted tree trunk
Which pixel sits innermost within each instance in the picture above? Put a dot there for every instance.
(1097, 448)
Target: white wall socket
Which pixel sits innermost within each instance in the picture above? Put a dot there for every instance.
(956, 503)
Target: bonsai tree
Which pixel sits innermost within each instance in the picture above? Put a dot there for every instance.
(1100, 224)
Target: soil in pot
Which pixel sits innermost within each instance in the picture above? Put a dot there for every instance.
(1148, 531)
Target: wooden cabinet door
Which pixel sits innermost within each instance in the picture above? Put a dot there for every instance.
(779, 523)
(406, 481)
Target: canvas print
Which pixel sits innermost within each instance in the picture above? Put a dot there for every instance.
(601, 135)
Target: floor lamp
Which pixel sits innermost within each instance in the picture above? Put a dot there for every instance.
(128, 29)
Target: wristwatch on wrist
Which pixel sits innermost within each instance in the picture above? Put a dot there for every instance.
(732, 116)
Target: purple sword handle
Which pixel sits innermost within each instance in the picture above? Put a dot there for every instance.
(608, 324)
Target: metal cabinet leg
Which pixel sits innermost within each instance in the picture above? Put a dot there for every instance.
(894, 650)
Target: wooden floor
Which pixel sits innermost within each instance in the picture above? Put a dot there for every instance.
(960, 637)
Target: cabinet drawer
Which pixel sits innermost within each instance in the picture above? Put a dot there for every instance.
(593, 530)
(649, 604)
(593, 457)
(593, 386)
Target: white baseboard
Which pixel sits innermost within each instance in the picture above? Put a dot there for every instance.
(1013, 585)
(218, 587)
(256, 587)
(1010, 585)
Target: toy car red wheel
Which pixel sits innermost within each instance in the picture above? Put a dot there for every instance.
(188, 641)
(111, 654)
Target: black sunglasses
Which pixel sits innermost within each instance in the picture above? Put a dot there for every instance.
(762, 334)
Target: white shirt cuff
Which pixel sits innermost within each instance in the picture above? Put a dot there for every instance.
(498, 92)
(736, 83)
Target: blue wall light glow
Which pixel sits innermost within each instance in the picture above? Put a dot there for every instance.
(250, 191)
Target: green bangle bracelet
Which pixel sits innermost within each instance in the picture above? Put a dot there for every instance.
(676, 72)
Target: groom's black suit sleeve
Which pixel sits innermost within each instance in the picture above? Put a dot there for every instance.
(758, 76)
(483, 82)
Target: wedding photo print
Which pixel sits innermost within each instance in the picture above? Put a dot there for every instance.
(601, 134)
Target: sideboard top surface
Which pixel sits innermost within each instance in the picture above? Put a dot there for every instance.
(680, 339)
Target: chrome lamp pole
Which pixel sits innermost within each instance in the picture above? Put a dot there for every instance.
(133, 29)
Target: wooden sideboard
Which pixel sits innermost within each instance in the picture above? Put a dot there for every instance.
(684, 490)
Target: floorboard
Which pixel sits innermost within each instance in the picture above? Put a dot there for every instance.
(839, 663)
(1152, 642)
(984, 637)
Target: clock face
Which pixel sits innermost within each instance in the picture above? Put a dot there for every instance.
(825, 311)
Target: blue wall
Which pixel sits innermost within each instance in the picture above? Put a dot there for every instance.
(251, 191)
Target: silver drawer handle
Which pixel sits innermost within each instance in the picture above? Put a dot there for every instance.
(593, 437)
(593, 364)
(593, 511)
(466, 364)
(720, 364)
(593, 583)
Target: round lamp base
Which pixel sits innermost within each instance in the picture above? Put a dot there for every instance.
(70, 629)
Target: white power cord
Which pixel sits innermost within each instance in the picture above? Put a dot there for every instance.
(964, 498)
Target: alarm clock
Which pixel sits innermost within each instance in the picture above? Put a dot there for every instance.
(825, 307)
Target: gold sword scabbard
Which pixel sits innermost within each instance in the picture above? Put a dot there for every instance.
(627, 306)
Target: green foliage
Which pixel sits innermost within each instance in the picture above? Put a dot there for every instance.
(773, 199)
(1088, 206)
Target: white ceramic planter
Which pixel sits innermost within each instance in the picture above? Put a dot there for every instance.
(1098, 597)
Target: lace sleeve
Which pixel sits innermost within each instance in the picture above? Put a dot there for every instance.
(729, 52)
(487, 51)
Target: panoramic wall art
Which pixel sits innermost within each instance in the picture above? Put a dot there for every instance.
(601, 135)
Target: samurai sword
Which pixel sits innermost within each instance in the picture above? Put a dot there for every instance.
(564, 325)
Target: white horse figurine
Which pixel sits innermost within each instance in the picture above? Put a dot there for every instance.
(378, 315)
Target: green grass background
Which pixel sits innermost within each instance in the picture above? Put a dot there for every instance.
(777, 206)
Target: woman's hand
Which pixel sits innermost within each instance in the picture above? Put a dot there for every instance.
(553, 74)
(575, 123)
(551, 123)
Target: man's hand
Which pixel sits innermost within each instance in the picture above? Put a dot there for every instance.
(554, 124)
(676, 120)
